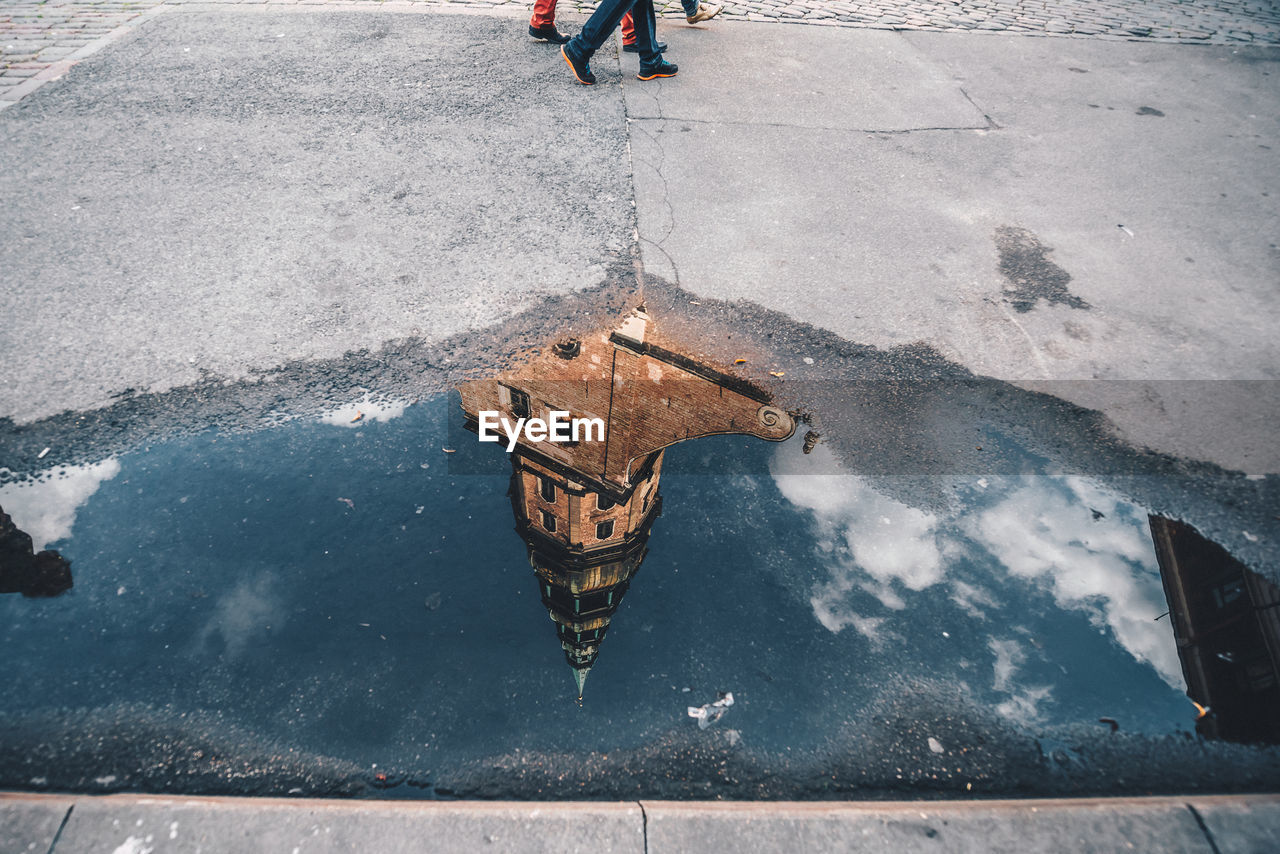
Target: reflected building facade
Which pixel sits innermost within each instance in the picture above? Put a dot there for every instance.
(585, 509)
(1226, 622)
(23, 570)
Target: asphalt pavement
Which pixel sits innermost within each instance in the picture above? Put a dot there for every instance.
(901, 187)
(438, 173)
(194, 197)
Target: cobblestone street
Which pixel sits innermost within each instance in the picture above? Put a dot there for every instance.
(39, 40)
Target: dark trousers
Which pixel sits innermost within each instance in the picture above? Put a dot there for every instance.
(604, 20)
(629, 27)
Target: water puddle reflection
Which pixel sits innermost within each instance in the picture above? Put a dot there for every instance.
(336, 604)
(585, 508)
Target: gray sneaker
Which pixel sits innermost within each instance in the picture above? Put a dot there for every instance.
(705, 13)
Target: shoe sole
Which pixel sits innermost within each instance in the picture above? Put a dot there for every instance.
(657, 75)
(574, 70)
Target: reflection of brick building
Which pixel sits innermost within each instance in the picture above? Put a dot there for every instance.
(585, 510)
(1226, 620)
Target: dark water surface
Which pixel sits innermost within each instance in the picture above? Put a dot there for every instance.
(325, 606)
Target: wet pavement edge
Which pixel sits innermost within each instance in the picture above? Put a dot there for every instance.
(67, 824)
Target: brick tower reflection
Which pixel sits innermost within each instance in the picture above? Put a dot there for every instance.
(585, 509)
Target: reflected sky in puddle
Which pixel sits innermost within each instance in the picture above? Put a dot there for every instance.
(1057, 574)
(346, 588)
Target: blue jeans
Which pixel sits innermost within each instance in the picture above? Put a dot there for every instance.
(690, 7)
(605, 19)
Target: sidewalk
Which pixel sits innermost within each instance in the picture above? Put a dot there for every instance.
(35, 35)
(206, 195)
(133, 824)
(888, 172)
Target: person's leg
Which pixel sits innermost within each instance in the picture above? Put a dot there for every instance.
(652, 65)
(696, 12)
(543, 23)
(629, 36)
(544, 14)
(646, 32)
(603, 21)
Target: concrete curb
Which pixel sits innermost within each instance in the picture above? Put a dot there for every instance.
(67, 824)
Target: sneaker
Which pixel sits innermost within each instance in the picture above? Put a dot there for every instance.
(581, 68)
(632, 47)
(705, 13)
(662, 69)
(548, 34)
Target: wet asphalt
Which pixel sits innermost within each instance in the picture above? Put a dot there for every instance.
(227, 230)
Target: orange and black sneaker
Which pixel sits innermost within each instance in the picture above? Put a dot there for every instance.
(662, 69)
(581, 67)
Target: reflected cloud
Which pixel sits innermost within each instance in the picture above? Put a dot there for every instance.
(243, 615)
(872, 542)
(1009, 657)
(1024, 706)
(969, 597)
(1092, 551)
(46, 508)
(834, 613)
(1083, 544)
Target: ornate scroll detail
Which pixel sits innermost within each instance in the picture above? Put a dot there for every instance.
(772, 416)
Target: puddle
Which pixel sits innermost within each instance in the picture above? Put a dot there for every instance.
(368, 600)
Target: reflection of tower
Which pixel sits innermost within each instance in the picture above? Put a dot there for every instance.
(1226, 620)
(585, 543)
(585, 508)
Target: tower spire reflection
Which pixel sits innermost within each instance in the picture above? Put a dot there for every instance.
(585, 509)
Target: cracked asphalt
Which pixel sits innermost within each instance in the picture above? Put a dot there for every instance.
(37, 34)
(885, 200)
(233, 217)
(864, 181)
